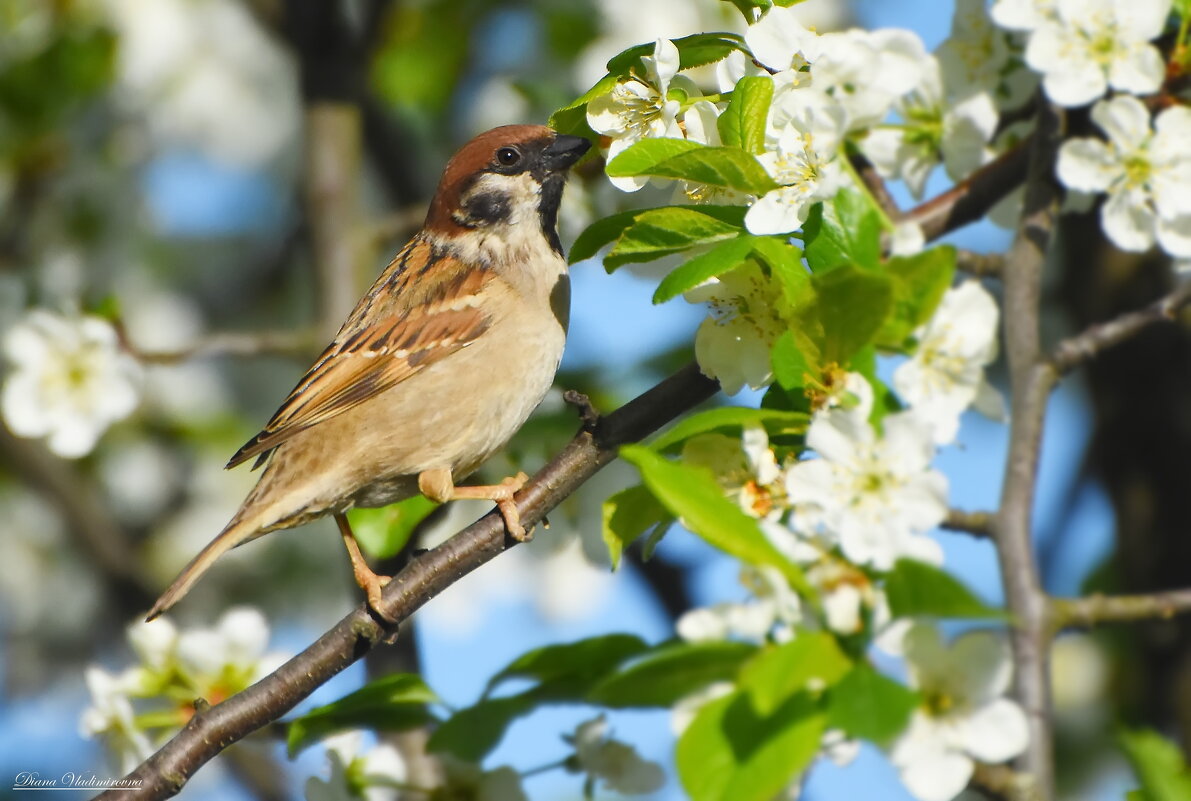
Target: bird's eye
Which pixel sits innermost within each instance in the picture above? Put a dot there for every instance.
(508, 156)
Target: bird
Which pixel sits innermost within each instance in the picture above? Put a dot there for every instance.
(438, 365)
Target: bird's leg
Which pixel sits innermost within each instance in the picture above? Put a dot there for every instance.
(438, 486)
(371, 583)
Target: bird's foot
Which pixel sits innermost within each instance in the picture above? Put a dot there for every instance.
(370, 582)
(434, 485)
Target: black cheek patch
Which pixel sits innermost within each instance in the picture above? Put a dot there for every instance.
(485, 208)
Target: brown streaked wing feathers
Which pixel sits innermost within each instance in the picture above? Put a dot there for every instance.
(361, 365)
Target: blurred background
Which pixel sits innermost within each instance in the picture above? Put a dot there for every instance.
(223, 178)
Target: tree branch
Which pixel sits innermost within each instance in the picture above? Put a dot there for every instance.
(1076, 350)
(212, 730)
(978, 524)
(981, 265)
(970, 199)
(231, 343)
(1031, 380)
(1096, 609)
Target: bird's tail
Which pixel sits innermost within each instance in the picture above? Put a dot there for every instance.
(237, 532)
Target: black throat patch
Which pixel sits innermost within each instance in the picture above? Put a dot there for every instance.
(548, 209)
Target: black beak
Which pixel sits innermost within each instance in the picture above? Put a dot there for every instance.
(564, 151)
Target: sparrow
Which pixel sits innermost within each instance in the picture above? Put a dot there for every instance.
(435, 369)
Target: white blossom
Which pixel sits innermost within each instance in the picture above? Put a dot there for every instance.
(111, 716)
(233, 651)
(946, 373)
(933, 129)
(614, 762)
(872, 495)
(638, 109)
(745, 467)
(70, 380)
(1145, 171)
(1023, 15)
(774, 604)
(866, 71)
(732, 345)
(906, 239)
(206, 75)
(370, 775)
(976, 53)
(1087, 46)
(964, 715)
(804, 162)
(467, 781)
(781, 42)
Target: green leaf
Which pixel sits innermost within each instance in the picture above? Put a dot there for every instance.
(564, 674)
(782, 258)
(693, 51)
(572, 118)
(850, 306)
(583, 660)
(626, 516)
(843, 230)
(919, 282)
(812, 661)
(731, 753)
(730, 417)
(600, 233)
(1159, 765)
(785, 263)
(795, 361)
(916, 588)
(746, 8)
(742, 124)
(726, 167)
(393, 703)
(660, 232)
(724, 256)
(645, 234)
(472, 732)
(869, 705)
(693, 495)
(671, 671)
(385, 531)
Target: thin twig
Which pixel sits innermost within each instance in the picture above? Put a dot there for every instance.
(232, 343)
(981, 265)
(88, 517)
(210, 731)
(1097, 609)
(1078, 349)
(970, 199)
(876, 186)
(1031, 380)
(978, 524)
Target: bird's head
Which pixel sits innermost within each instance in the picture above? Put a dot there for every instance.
(505, 177)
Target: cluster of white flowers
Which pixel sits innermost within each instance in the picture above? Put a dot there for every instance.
(148, 702)
(69, 381)
(1144, 167)
(1083, 47)
(206, 76)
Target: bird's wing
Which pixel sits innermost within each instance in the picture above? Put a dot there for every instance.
(370, 357)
